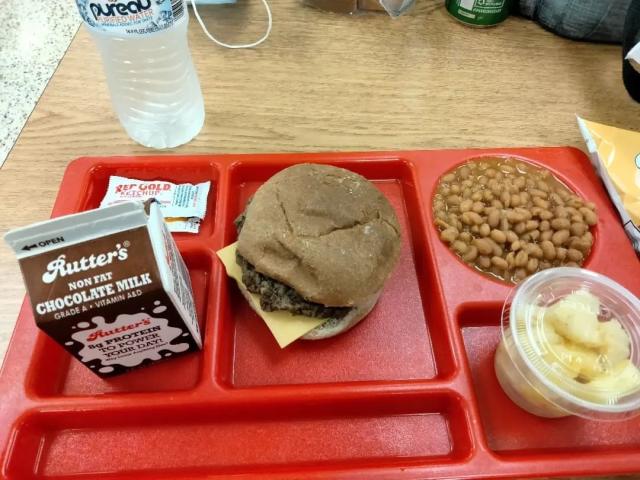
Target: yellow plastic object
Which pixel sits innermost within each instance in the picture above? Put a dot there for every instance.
(615, 153)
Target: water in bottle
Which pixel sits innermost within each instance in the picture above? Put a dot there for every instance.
(153, 83)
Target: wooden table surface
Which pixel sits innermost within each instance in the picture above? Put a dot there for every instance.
(326, 82)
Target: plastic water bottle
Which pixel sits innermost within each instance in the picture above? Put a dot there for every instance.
(154, 87)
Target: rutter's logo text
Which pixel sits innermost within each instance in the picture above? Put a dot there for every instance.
(61, 267)
(93, 336)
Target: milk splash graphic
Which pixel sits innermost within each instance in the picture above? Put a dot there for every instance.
(127, 341)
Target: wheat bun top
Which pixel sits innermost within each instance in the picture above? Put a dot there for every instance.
(325, 231)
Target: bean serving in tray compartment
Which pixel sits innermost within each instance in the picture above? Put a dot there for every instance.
(510, 219)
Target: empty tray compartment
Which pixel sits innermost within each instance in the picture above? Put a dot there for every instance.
(364, 434)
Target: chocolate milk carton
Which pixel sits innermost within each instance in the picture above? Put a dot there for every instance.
(110, 286)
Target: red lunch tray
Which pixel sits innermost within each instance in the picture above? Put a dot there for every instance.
(408, 393)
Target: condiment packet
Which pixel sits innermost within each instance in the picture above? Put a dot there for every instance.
(615, 153)
(183, 205)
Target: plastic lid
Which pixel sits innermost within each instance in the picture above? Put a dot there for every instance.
(578, 334)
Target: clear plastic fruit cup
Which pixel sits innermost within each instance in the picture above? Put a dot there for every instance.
(562, 353)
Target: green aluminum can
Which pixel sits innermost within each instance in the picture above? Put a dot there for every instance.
(479, 13)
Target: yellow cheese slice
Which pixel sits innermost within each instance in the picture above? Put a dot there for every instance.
(285, 327)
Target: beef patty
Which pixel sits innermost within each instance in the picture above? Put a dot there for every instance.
(275, 295)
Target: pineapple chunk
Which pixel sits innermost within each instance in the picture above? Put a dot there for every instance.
(623, 380)
(575, 317)
(576, 360)
(615, 342)
(588, 299)
(586, 357)
(550, 334)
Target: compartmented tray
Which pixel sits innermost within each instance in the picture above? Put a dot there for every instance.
(409, 393)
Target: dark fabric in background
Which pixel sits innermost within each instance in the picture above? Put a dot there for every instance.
(592, 20)
(614, 21)
(631, 36)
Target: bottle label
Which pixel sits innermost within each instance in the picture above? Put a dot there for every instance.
(479, 13)
(131, 17)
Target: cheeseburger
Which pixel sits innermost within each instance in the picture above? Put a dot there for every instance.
(319, 241)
